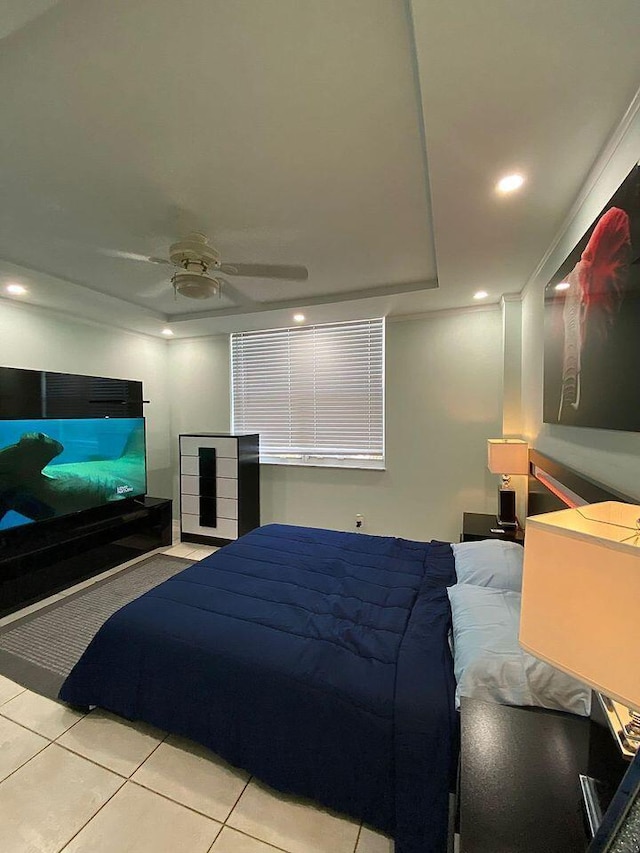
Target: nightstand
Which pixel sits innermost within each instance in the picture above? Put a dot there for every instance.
(519, 789)
(478, 525)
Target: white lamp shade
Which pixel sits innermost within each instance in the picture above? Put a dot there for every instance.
(507, 456)
(581, 596)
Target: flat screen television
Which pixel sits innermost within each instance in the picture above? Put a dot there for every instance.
(56, 467)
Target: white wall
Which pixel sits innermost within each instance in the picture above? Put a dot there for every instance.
(40, 340)
(609, 456)
(443, 400)
(511, 367)
(199, 393)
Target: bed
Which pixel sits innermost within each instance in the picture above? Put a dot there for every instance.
(317, 660)
(320, 661)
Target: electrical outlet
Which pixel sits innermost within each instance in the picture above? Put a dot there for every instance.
(359, 521)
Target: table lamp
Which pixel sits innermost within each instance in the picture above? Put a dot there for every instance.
(581, 605)
(507, 456)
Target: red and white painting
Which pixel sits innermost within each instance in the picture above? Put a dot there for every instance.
(592, 322)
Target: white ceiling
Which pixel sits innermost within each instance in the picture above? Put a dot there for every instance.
(16, 13)
(361, 138)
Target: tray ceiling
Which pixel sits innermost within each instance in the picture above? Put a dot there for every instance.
(361, 138)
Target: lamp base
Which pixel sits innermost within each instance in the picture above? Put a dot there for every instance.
(632, 729)
(621, 724)
(507, 508)
(508, 525)
(596, 797)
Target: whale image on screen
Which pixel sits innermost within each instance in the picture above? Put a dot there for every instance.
(50, 468)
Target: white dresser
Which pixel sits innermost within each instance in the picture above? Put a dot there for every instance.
(219, 487)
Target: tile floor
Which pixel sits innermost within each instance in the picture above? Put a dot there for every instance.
(95, 783)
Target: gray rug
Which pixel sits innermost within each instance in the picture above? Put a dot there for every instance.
(39, 650)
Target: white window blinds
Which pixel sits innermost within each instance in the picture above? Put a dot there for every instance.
(314, 393)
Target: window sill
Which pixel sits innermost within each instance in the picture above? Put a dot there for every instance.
(352, 464)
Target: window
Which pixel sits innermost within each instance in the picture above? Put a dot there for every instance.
(314, 393)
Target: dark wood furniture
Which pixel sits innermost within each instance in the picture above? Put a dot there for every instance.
(38, 560)
(548, 469)
(37, 394)
(219, 486)
(519, 777)
(481, 525)
(519, 789)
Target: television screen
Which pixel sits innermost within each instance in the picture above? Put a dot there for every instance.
(50, 468)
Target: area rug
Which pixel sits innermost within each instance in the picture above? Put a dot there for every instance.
(39, 650)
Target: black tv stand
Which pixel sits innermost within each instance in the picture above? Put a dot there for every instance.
(39, 561)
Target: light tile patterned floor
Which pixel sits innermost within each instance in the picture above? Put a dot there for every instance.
(98, 784)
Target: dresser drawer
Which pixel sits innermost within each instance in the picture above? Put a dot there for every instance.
(225, 447)
(226, 528)
(225, 467)
(227, 488)
(225, 507)
(190, 465)
(189, 485)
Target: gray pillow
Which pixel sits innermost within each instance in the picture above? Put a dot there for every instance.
(491, 665)
(489, 563)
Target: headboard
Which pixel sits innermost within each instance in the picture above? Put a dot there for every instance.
(554, 486)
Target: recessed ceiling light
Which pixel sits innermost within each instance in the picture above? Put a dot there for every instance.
(167, 332)
(298, 318)
(481, 294)
(564, 285)
(16, 289)
(510, 183)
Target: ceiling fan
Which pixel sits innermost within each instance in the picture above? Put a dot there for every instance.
(197, 266)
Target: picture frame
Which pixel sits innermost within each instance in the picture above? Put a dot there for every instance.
(591, 322)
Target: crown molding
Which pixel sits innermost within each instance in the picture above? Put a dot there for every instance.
(597, 170)
(511, 297)
(443, 312)
(70, 317)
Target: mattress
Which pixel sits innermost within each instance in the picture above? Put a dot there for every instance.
(314, 659)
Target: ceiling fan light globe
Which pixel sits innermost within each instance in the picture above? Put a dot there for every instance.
(195, 285)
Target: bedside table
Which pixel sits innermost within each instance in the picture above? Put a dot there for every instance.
(478, 525)
(519, 789)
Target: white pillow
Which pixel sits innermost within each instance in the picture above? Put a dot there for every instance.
(491, 665)
(489, 562)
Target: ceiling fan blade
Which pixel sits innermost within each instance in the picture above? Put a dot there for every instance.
(287, 273)
(156, 290)
(133, 256)
(80, 246)
(234, 293)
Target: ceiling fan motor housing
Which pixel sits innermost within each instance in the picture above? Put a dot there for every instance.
(194, 256)
(194, 249)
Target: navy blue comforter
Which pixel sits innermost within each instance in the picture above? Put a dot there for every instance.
(314, 659)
